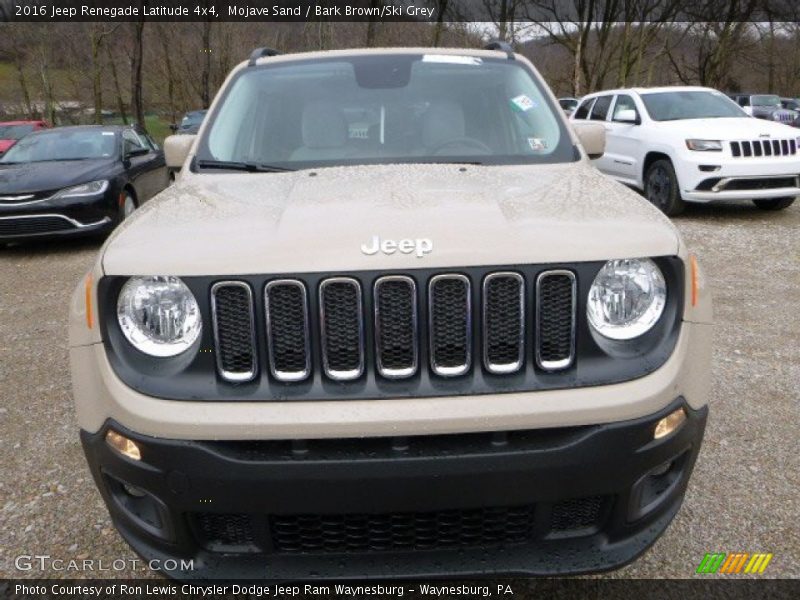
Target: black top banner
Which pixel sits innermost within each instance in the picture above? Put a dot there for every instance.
(402, 10)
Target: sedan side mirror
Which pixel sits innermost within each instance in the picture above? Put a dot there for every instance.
(176, 149)
(627, 115)
(592, 137)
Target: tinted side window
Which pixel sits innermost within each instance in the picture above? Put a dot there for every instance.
(583, 109)
(744, 100)
(600, 110)
(132, 142)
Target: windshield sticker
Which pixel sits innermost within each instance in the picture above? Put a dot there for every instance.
(537, 144)
(452, 59)
(523, 103)
(106, 133)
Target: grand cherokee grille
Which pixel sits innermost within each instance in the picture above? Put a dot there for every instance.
(390, 323)
(756, 148)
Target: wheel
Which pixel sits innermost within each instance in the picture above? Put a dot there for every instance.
(127, 205)
(774, 203)
(661, 188)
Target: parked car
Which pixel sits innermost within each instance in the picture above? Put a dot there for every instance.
(765, 106)
(791, 104)
(692, 144)
(11, 131)
(568, 104)
(191, 122)
(390, 321)
(77, 180)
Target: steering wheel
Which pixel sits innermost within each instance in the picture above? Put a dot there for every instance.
(467, 142)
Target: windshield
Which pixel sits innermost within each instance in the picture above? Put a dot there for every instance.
(65, 144)
(385, 109)
(568, 103)
(673, 106)
(770, 100)
(14, 132)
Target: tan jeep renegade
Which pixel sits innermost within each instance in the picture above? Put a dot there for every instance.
(390, 321)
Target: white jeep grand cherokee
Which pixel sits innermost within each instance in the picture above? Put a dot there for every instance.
(693, 144)
(390, 321)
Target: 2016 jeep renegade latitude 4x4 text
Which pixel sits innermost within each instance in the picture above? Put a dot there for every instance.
(390, 321)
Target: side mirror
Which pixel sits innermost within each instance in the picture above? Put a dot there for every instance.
(176, 149)
(627, 115)
(136, 152)
(592, 137)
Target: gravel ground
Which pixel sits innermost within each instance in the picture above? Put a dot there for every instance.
(744, 495)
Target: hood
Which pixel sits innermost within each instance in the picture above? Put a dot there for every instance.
(306, 221)
(51, 175)
(728, 129)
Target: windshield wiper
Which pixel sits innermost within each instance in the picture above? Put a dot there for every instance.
(233, 165)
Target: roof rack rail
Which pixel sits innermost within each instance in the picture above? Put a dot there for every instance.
(260, 53)
(502, 46)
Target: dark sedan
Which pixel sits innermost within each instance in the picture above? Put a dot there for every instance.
(77, 180)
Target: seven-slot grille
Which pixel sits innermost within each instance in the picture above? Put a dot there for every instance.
(346, 340)
(751, 148)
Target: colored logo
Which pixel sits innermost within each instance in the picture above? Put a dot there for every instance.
(738, 562)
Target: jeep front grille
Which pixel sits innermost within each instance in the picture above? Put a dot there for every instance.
(450, 323)
(342, 327)
(396, 326)
(756, 148)
(555, 319)
(234, 330)
(392, 326)
(288, 345)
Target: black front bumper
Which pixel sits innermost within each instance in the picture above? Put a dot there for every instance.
(54, 218)
(552, 501)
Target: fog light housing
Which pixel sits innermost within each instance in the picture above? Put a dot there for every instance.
(669, 424)
(127, 447)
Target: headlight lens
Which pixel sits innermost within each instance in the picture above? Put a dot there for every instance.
(158, 315)
(626, 298)
(704, 145)
(92, 188)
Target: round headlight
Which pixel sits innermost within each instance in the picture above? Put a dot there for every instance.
(626, 298)
(158, 315)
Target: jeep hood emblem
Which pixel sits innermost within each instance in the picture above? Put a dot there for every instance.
(418, 246)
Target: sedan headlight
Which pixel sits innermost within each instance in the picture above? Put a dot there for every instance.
(627, 298)
(158, 315)
(92, 188)
(704, 145)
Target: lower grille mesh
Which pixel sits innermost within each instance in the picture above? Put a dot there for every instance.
(396, 531)
(401, 531)
(36, 225)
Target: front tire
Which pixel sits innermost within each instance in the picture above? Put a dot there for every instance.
(127, 205)
(773, 203)
(661, 188)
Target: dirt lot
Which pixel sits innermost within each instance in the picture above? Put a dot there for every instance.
(744, 496)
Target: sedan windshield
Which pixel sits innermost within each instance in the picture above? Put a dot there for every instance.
(65, 144)
(674, 106)
(385, 109)
(14, 132)
(767, 100)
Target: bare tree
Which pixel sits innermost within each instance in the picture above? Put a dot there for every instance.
(137, 101)
(98, 32)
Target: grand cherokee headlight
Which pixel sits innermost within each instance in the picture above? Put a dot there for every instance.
(704, 145)
(158, 315)
(627, 298)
